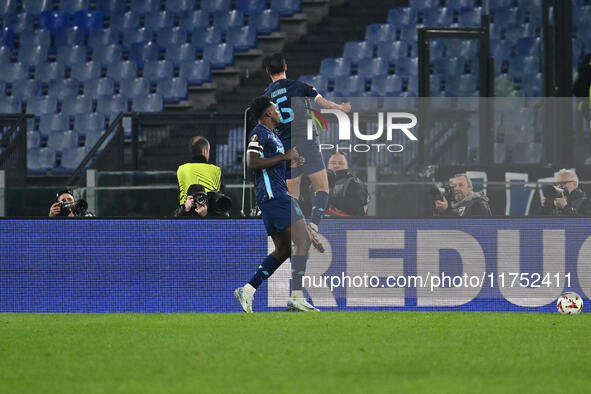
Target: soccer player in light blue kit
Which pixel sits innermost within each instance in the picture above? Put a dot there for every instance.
(281, 91)
(282, 215)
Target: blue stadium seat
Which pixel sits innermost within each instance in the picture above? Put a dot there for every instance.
(180, 6)
(20, 22)
(528, 46)
(377, 33)
(53, 20)
(386, 84)
(13, 72)
(62, 140)
(438, 17)
(465, 85)
(412, 85)
(286, 7)
(213, 6)
(145, 6)
(155, 70)
(112, 105)
(135, 86)
(173, 90)
(532, 86)
(71, 159)
(11, 105)
(99, 87)
(70, 36)
(196, 72)
(251, 7)
(506, 16)
(242, 38)
(470, 17)
(209, 36)
(526, 66)
(8, 7)
(407, 66)
(437, 49)
(89, 20)
(105, 54)
(141, 52)
(171, 36)
(424, 4)
(70, 55)
(125, 21)
(449, 66)
(73, 6)
(147, 103)
(48, 72)
(122, 70)
(134, 36)
(194, 20)
(33, 139)
(91, 137)
(85, 71)
(357, 50)
(464, 48)
(34, 55)
(40, 160)
(399, 16)
(61, 88)
(372, 67)
(435, 84)
(2, 89)
(408, 33)
(392, 51)
(228, 20)
(178, 54)
(6, 37)
(102, 37)
(159, 20)
(219, 56)
(92, 121)
(36, 37)
(109, 7)
(74, 105)
(26, 89)
(36, 7)
(320, 82)
(352, 85)
(266, 22)
(514, 32)
(49, 123)
(335, 67)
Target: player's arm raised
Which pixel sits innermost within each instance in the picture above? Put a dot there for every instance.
(327, 104)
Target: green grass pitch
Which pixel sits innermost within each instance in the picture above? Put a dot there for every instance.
(364, 352)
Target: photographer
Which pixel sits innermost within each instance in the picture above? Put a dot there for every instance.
(466, 202)
(199, 204)
(564, 198)
(65, 205)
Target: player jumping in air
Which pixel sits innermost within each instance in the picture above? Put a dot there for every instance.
(281, 90)
(282, 215)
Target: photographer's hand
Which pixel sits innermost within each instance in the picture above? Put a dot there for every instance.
(188, 203)
(560, 202)
(55, 209)
(201, 209)
(441, 205)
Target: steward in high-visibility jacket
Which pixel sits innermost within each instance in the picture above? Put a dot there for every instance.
(198, 170)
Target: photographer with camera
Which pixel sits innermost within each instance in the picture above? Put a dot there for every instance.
(65, 205)
(464, 201)
(564, 198)
(198, 203)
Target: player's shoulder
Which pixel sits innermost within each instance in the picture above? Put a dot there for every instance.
(259, 133)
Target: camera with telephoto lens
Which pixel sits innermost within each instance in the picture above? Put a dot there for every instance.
(552, 192)
(440, 190)
(78, 208)
(200, 198)
(218, 204)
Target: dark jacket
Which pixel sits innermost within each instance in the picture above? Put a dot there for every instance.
(577, 204)
(348, 193)
(473, 205)
(181, 213)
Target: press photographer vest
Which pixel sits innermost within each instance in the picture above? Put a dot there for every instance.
(205, 174)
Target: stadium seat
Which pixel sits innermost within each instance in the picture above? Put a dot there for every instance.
(122, 70)
(320, 82)
(242, 38)
(36, 7)
(99, 87)
(518, 198)
(34, 55)
(407, 66)
(105, 54)
(178, 54)
(171, 36)
(13, 72)
(173, 90)
(286, 7)
(111, 105)
(213, 6)
(438, 17)
(424, 4)
(103, 37)
(92, 121)
(36, 37)
(155, 70)
(19, 23)
(180, 7)
(412, 85)
(108, 7)
(266, 22)
(91, 137)
(372, 67)
(6, 37)
(10, 105)
(40, 160)
(335, 67)
(33, 139)
(209, 36)
(507, 16)
(470, 16)
(53, 20)
(528, 46)
(462, 85)
(135, 86)
(527, 66)
(71, 158)
(219, 56)
(357, 50)
(378, 33)
(195, 72)
(61, 88)
(194, 20)
(26, 89)
(141, 52)
(532, 86)
(125, 21)
(53, 122)
(352, 85)
(147, 103)
(73, 6)
(399, 16)
(85, 71)
(8, 7)
(392, 51)
(74, 105)
(449, 66)
(463, 48)
(228, 20)
(62, 140)
(70, 36)
(251, 7)
(135, 36)
(145, 6)
(159, 20)
(435, 84)
(71, 55)
(408, 33)
(88, 20)
(2, 89)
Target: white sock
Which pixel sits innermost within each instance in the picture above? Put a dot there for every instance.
(248, 289)
(297, 294)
